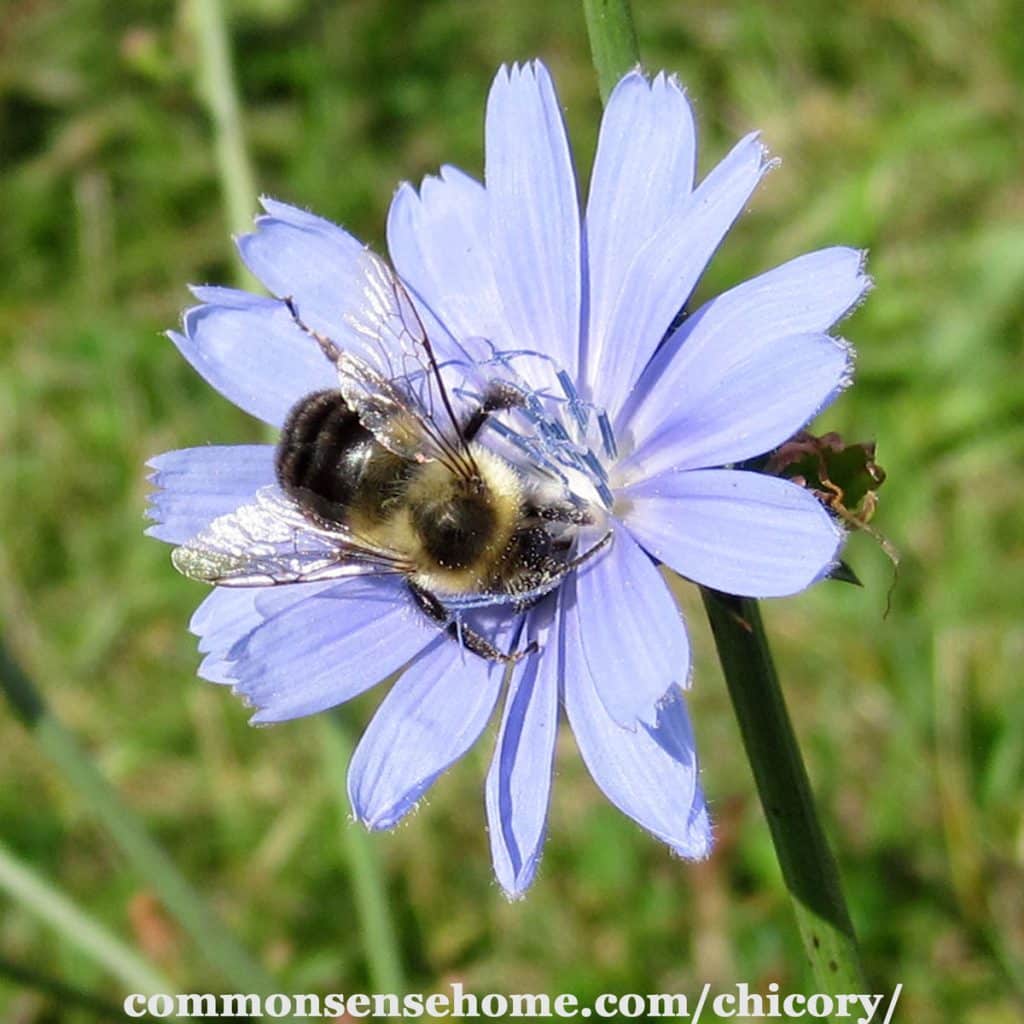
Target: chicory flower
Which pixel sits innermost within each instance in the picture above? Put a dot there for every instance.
(583, 306)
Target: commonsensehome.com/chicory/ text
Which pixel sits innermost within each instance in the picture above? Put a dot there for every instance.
(739, 1002)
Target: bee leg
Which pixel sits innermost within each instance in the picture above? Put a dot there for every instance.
(469, 638)
(328, 347)
(562, 512)
(589, 553)
(498, 396)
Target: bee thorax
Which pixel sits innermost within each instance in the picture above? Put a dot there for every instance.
(456, 531)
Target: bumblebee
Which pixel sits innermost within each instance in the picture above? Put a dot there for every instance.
(383, 476)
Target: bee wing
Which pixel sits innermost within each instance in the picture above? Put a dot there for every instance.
(399, 424)
(269, 541)
(395, 385)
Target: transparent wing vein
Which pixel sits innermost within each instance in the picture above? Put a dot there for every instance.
(269, 541)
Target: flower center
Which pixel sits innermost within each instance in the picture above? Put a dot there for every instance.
(552, 428)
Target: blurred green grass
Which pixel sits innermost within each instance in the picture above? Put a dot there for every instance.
(901, 129)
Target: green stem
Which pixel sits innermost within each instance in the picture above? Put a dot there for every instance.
(219, 91)
(52, 906)
(146, 857)
(808, 867)
(380, 943)
(613, 42)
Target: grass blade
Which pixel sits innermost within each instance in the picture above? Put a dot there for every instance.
(218, 90)
(380, 942)
(146, 857)
(51, 905)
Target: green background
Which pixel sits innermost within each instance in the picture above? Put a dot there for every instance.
(901, 129)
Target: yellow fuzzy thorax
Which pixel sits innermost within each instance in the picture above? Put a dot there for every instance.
(434, 483)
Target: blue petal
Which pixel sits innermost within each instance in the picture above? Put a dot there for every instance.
(728, 405)
(323, 269)
(305, 655)
(519, 779)
(196, 485)
(664, 272)
(534, 209)
(253, 354)
(216, 668)
(634, 639)
(742, 533)
(304, 219)
(229, 615)
(219, 295)
(318, 264)
(428, 720)
(650, 774)
(642, 177)
(225, 616)
(439, 243)
(749, 368)
(221, 615)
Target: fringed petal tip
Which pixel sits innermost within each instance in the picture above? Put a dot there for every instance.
(354, 821)
(222, 670)
(671, 80)
(515, 881)
(865, 282)
(536, 69)
(659, 80)
(700, 839)
(767, 162)
(193, 486)
(298, 216)
(218, 668)
(845, 378)
(519, 888)
(277, 208)
(158, 529)
(231, 298)
(387, 819)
